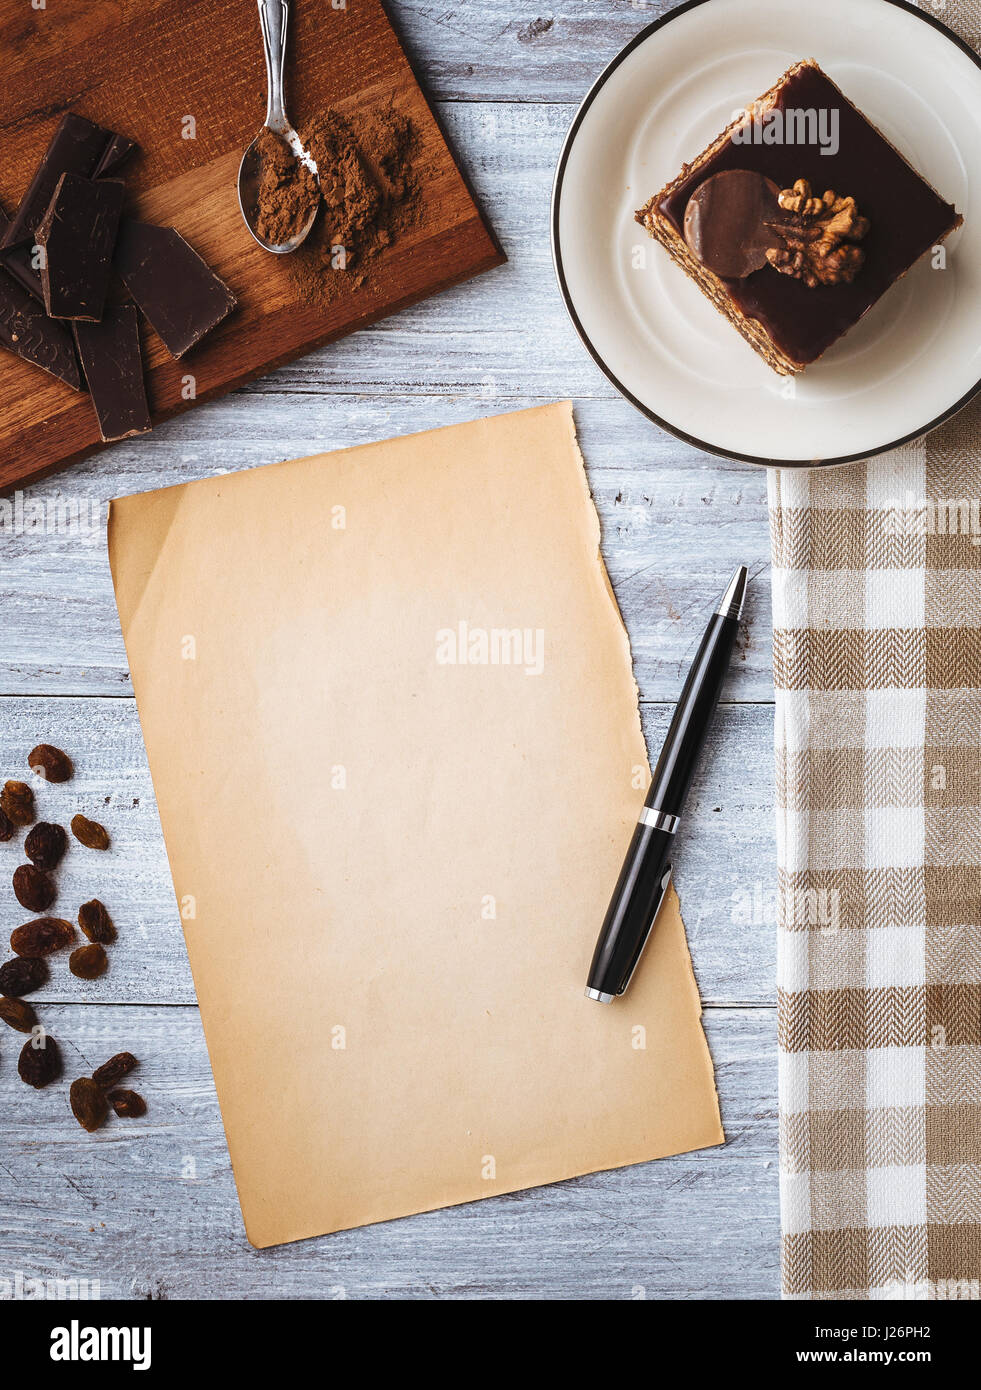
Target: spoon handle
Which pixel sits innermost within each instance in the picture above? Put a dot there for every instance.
(273, 17)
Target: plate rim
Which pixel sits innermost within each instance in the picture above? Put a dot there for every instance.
(641, 37)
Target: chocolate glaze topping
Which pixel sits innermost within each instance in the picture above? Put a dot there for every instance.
(728, 222)
(907, 218)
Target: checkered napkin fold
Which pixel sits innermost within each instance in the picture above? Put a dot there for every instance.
(877, 667)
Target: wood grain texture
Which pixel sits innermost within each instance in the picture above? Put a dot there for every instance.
(513, 50)
(145, 67)
(148, 1207)
(675, 523)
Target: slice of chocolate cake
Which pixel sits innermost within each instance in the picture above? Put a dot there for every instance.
(798, 218)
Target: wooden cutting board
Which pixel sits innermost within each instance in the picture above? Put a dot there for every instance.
(142, 67)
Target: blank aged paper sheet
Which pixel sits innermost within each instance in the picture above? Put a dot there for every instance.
(393, 730)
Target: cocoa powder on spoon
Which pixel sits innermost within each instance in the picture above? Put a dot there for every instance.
(370, 180)
(288, 191)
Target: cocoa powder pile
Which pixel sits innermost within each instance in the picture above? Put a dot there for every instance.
(288, 191)
(370, 180)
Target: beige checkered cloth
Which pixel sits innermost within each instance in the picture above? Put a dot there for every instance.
(877, 666)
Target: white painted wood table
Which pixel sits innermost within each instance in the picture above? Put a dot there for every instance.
(148, 1208)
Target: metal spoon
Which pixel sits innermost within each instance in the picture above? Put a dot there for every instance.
(273, 18)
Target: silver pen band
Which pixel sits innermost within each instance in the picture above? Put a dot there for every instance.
(659, 820)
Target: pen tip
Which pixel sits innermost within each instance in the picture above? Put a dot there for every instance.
(731, 605)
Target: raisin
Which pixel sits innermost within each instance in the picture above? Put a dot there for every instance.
(22, 975)
(88, 1102)
(52, 764)
(39, 1062)
(42, 937)
(114, 1070)
(45, 845)
(17, 803)
(128, 1104)
(90, 833)
(18, 1014)
(88, 962)
(96, 923)
(7, 826)
(33, 888)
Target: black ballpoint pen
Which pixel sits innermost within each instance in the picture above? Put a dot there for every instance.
(646, 869)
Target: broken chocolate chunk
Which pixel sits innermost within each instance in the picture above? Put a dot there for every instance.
(181, 297)
(77, 147)
(18, 263)
(26, 330)
(78, 235)
(118, 150)
(113, 365)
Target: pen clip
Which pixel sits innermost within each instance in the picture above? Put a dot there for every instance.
(635, 960)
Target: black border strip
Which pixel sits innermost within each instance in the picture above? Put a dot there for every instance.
(697, 443)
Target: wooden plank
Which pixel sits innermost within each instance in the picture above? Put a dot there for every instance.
(148, 1209)
(499, 51)
(724, 864)
(124, 58)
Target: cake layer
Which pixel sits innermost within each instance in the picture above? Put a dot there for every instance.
(907, 216)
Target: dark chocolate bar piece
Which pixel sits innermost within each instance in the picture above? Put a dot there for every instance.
(77, 147)
(182, 298)
(26, 330)
(78, 235)
(19, 264)
(113, 366)
(118, 150)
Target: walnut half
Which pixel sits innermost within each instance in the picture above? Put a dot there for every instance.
(818, 237)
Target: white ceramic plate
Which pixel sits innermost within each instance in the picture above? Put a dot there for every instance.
(916, 356)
